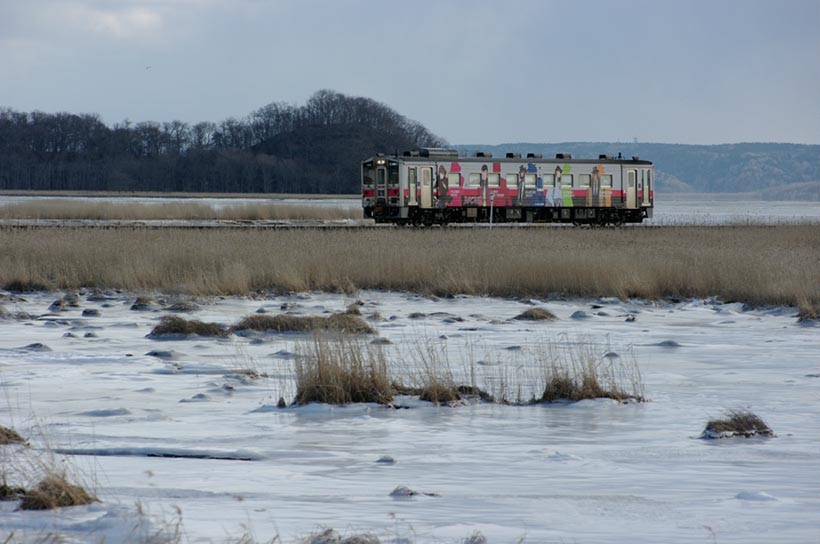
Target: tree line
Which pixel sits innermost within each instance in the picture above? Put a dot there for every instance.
(280, 147)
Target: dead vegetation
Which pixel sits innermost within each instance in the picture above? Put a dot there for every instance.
(9, 492)
(55, 491)
(740, 422)
(808, 310)
(341, 371)
(758, 265)
(10, 436)
(175, 325)
(107, 210)
(581, 370)
(536, 314)
(344, 322)
(331, 536)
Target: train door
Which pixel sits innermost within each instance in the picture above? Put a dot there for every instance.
(427, 187)
(631, 188)
(381, 185)
(647, 187)
(412, 188)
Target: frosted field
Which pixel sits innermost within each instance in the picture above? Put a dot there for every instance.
(187, 430)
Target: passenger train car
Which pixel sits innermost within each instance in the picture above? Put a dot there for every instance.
(436, 186)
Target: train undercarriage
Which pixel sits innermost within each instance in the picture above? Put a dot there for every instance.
(415, 216)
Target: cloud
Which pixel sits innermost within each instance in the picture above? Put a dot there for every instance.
(112, 20)
(125, 23)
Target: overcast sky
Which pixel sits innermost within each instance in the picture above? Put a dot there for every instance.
(473, 71)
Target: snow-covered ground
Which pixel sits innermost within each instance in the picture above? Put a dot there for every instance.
(186, 429)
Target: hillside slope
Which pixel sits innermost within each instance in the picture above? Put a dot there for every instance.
(770, 170)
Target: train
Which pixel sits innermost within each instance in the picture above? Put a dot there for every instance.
(432, 186)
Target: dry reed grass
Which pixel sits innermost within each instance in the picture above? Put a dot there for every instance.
(344, 322)
(175, 325)
(103, 210)
(55, 491)
(10, 436)
(755, 264)
(736, 423)
(341, 371)
(172, 194)
(808, 310)
(9, 492)
(580, 370)
(331, 536)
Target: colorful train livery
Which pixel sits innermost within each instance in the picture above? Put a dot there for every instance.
(436, 186)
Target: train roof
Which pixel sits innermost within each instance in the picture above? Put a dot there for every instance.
(447, 155)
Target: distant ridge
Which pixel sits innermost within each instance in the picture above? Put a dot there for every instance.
(775, 171)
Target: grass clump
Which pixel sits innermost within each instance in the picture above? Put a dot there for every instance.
(331, 536)
(536, 314)
(341, 371)
(55, 491)
(578, 371)
(345, 322)
(8, 492)
(10, 436)
(808, 310)
(438, 392)
(736, 423)
(175, 325)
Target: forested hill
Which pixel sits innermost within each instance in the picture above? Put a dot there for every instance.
(768, 170)
(317, 148)
(280, 148)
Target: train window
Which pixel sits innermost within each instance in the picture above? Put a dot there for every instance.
(530, 180)
(584, 180)
(453, 180)
(512, 180)
(368, 173)
(494, 180)
(606, 180)
(549, 180)
(394, 175)
(380, 175)
(475, 180)
(566, 180)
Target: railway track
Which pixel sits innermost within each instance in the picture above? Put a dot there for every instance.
(250, 224)
(33, 224)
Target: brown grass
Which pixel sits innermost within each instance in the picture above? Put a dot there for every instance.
(736, 423)
(106, 210)
(580, 371)
(171, 324)
(754, 264)
(536, 314)
(341, 371)
(331, 536)
(808, 310)
(344, 322)
(10, 436)
(8, 492)
(157, 194)
(55, 491)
